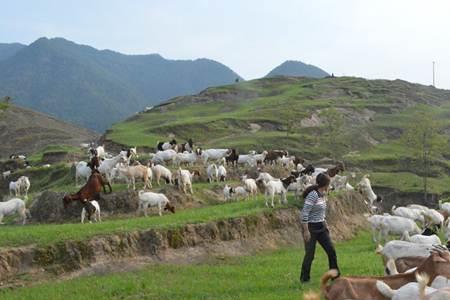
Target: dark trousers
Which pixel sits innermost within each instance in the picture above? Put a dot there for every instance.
(319, 233)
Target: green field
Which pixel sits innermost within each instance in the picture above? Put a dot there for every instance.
(45, 234)
(267, 275)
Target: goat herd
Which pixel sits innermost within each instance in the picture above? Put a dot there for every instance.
(418, 253)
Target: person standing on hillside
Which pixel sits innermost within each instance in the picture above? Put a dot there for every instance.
(314, 227)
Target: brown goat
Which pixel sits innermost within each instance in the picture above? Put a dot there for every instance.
(438, 263)
(335, 170)
(90, 191)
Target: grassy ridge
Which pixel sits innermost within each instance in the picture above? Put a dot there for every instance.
(267, 275)
(45, 234)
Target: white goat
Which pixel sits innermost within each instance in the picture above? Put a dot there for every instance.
(421, 239)
(272, 188)
(6, 174)
(222, 173)
(212, 172)
(259, 158)
(82, 170)
(160, 171)
(393, 225)
(240, 191)
(186, 157)
(24, 185)
(408, 212)
(95, 208)
(264, 176)
(433, 217)
(365, 188)
(399, 249)
(185, 180)
(408, 291)
(246, 159)
(214, 154)
(165, 156)
(250, 186)
(14, 187)
(228, 192)
(11, 207)
(149, 199)
(108, 164)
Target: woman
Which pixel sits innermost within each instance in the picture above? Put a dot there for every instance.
(314, 226)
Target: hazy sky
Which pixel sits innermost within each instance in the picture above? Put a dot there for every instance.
(373, 39)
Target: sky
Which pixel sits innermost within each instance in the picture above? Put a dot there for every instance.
(372, 39)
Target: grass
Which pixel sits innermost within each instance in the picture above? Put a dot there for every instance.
(266, 275)
(3, 105)
(37, 157)
(46, 234)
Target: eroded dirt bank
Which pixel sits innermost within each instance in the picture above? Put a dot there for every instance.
(188, 243)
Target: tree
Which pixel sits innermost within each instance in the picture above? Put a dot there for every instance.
(333, 132)
(423, 139)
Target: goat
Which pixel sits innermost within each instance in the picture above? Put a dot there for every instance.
(214, 154)
(91, 208)
(246, 159)
(397, 225)
(438, 263)
(186, 157)
(365, 188)
(410, 213)
(90, 191)
(188, 146)
(162, 172)
(139, 171)
(108, 164)
(212, 172)
(277, 187)
(6, 174)
(222, 173)
(426, 293)
(259, 158)
(264, 176)
(250, 186)
(185, 180)
(165, 156)
(99, 151)
(228, 192)
(240, 191)
(406, 292)
(433, 217)
(273, 155)
(13, 206)
(400, 249)
(147, 199)
(422, 239)
(24, 185)
(232, 158)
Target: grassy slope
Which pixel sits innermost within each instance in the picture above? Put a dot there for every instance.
(267, 275)
(45, 234)
(224, 113)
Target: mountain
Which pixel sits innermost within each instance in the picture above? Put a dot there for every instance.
(25, 131)
(95, 89)
(8, 50)
(297, 68)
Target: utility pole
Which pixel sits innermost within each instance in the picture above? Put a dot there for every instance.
(434, 76)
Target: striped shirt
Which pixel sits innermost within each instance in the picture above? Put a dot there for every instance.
(314, 208)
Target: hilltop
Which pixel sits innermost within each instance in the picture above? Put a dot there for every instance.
(297, 68)
(93, 88)
(254, 115)
(25, 131)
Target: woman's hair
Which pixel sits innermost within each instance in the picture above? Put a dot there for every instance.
(322, 180)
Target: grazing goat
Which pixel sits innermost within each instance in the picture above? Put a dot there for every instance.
(90, 191)
(250, 186)
(162, 172)
(147, 199)
(165, 156)
(400, 249)
(240, 191)
(264, 176)
(212, 172)
(91, 208)
(410, 213)
(222, 173)
(246, 159)
(397, 225)
(214, 154)
(273, 156)
(422, 239)
(433, 217)
(185, 180)
(438, 263)
(11, 207)
(139, 171)
(186, 158)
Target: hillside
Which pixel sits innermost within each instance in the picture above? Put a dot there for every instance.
(297, 68)
(25, 131)
(254, 115)
(93, 88)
